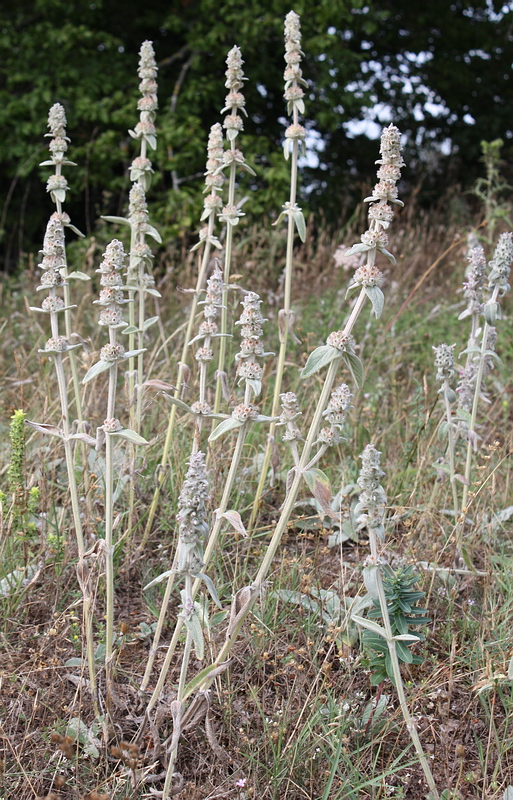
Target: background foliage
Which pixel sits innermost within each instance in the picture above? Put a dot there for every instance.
(444, 69)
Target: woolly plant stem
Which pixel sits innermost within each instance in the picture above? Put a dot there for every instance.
(200, 283)
(226, 278)
(75, 507)
(450, 447)
(209, 549)
(283, 333)
(472, 428)
(408, 719)
(109, 516)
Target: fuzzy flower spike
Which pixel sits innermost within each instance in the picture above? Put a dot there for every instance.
(147, 106)
(381, 213)
(294, 82)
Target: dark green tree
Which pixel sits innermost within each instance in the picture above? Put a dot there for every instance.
(440, 70)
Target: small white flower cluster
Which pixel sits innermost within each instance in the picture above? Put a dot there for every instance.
(444, 362)
(293, 80)
(111, 296)
(137, 209)
(53, 250)
(341, 341)
(57, 125)
(335, 414)
(370, 509)
(214, 179)
(192, 516)
(500, 265)
(57, 185)
(147, 105)
(289, 414)
(251, 347)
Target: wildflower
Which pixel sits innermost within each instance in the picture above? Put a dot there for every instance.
(112, 425)
(57, 121)
(444, 361)
(192, 516)
(341, 341)
(473, 285)
(500, 265)
(245, 411)
(231, 215)
(370, 509)
(111, 297)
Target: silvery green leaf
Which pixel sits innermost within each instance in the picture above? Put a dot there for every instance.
(118, 220)
(406, 637)
(210, 586)
(357, 248)
(370, 625)
(223, 427)
(286, 151)
(451, 395)
(443, 431)
(466, 416)
(153, 232)
(73, 662)
(508, 794)
(78, 276)
(300, 224)
(74, 229)
(193, 625)
(152, 140)
(58, 194)
(371, 580)
(133, 353)
(491, 354)
(206, 213)
(263, 418)
(247, 168)
(256, 386)
(464, 314)
(176, 402)
(131, 329)
(205, 674)
(390, 257)
(377, 299)
(96, 369)
(83, 437)
(149, 322)
(280, 218)
(153, 292)
(129, 435)
(354, 366)
(352, 288)
(47, 164)
(510, 676)
(472, 350)
(321, 357)
(160, 386)
(492, 312)
(160, 578)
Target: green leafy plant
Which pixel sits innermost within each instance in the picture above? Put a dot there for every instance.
(404, 614)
